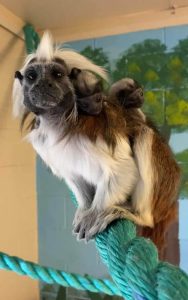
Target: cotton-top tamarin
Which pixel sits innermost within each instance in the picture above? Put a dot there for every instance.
(114, 160)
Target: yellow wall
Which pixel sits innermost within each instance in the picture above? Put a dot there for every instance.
(18, 211)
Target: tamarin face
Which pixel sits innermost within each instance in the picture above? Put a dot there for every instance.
(89, 91)
(128, 92)
(91, 105)
(46, 86)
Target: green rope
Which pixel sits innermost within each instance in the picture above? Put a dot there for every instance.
(32, 38)
(51, 276)
(134, 266)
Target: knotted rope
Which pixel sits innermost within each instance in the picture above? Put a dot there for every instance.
(134, 266)
(51, 276)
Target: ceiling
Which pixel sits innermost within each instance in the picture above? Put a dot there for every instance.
(59, 13)
(78, 19)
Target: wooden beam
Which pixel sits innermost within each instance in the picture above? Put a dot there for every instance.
(11, 22)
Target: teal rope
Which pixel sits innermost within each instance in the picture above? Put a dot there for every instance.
(51, 276)
(32, 38)
(134, 266)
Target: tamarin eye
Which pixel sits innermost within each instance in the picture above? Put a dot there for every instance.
(31, 75)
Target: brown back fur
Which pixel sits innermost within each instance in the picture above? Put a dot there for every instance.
(166, 179)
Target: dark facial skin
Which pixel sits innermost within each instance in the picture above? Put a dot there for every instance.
(46, 86)
(130, 95)
(90, 98)
(91, 105)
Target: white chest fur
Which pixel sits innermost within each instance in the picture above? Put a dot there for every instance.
(114, 175)
(76, 155)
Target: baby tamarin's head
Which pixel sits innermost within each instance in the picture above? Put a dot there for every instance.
(89, 91)
(85, 82)
(127, 92)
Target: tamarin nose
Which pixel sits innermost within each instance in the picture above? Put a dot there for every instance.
(45, 84)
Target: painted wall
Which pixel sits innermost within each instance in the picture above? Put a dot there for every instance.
(159, 60)
(18, 215)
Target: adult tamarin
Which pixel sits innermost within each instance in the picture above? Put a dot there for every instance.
(93, 153)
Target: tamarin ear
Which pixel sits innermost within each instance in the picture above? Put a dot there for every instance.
(19, 76)
(74, 73)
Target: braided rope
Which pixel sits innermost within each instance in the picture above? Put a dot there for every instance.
(50, 276)
(134, 266)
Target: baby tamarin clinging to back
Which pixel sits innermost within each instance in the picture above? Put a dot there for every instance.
(129, 95)
(93, 153)
(89, 91)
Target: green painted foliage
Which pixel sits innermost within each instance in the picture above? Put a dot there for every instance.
(163, 75)
(97, 55)
(153, 106)
(143, 61)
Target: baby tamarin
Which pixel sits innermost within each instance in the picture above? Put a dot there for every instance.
(93, 152)
(129, 94)
(91, 97)
(89, 91)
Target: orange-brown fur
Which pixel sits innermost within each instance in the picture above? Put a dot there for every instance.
(109, 124)
(166, 186)
(166, 179)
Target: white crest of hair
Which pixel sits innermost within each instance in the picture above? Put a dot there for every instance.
(76, 60)
(45, 49)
